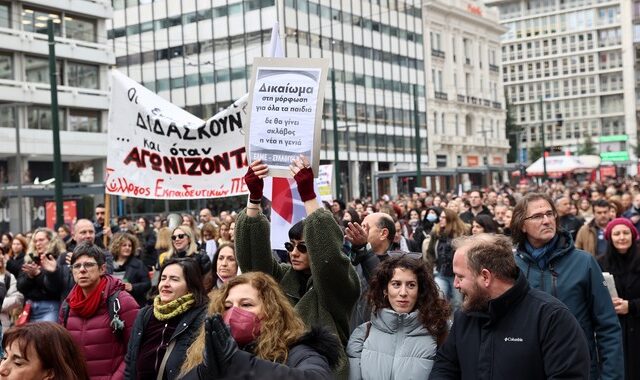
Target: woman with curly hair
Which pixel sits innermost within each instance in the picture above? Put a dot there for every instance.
(129, 268)
(252, 331)
(408, 322)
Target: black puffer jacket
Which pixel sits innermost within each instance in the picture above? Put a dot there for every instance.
(184, 335)
(525, 334)
(313, 357)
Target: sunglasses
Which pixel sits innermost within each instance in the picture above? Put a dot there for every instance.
(178, 236)
(302, 247)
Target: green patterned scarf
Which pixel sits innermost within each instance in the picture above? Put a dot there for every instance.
(173, 308)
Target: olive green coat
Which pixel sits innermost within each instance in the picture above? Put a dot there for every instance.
(327, 296)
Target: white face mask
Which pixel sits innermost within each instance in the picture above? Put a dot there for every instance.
(636, 205)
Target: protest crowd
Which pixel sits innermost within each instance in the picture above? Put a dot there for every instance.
(506, 282)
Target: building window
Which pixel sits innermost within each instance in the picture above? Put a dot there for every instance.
(37, 70)
(84, 121)
(5, 20)
(40, 118)
(35, 21)
(79, 29)
(82, 75)
(7, 117)
(6, 66)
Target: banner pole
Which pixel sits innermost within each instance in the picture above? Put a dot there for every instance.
(107, 218)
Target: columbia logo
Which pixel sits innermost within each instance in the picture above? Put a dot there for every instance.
(512, 339)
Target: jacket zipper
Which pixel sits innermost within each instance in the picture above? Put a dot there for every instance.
(164, 329)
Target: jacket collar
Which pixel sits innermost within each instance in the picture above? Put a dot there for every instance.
(563, 246)
(501, 305)
(390, 321)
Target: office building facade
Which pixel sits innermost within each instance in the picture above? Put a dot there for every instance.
(569, 65)
(198, 55)
(465, 101)
(26, 148)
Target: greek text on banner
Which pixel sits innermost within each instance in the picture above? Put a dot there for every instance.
(159, 151)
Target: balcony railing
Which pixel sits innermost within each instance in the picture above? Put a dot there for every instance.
(461, 98)
(494, 68)
(441, 95)
(437, 53)
(497, 105)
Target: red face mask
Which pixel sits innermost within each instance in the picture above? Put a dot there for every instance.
(245, 325)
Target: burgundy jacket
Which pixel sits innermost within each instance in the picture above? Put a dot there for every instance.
(104, 351)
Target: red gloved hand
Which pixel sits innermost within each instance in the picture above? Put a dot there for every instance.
(304, 179)
(255, 185)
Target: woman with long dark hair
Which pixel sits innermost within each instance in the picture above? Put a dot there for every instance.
(622, 260)
(449, 227)
(409, 320)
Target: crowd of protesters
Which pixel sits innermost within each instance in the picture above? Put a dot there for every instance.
(528, 282)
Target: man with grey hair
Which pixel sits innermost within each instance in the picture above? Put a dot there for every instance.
(552, 264)
(505, 329)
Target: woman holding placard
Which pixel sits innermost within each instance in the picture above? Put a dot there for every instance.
(622, 260)
(319, 280)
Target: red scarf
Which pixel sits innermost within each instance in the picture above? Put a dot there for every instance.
(86, 306)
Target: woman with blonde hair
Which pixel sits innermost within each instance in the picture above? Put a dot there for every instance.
(184, 243)
(252, 330)
(440, 251)
(41, 280)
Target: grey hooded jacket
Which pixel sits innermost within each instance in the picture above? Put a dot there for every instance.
(397, 346)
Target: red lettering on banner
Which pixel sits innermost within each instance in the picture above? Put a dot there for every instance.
(191, 166)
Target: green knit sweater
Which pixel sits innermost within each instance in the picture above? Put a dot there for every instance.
(327, 297)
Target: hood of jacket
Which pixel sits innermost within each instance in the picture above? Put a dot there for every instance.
(564, 245)
(113, 284)
(389, 321)
(324, 342)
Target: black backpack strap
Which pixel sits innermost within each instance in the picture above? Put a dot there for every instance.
(65, 313)
(7, 281)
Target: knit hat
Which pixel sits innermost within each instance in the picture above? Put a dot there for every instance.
(617, 222)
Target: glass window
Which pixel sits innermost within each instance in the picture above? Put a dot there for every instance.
(7, 117)
(84, 121)
(79, 29)
(6, 66)
(34, 20)
(5, 21)
(82, 75)
(40, 118)
(37, 70)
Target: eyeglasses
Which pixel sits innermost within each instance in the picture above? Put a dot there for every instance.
(540, 217)
(178, 236)
(302, 247)
(413, 255)
(87, 266)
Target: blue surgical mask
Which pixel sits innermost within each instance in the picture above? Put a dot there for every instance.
(432, 217)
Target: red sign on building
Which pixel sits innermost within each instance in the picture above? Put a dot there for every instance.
(70, 213)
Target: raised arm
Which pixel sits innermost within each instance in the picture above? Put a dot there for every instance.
(253, 245)
(334, 278)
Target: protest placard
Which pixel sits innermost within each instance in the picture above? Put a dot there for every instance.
(285, 111)
(159, 151)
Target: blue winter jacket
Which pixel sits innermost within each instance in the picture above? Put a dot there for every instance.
(574, 277)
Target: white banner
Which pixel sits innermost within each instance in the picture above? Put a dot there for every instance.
(159, 151)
